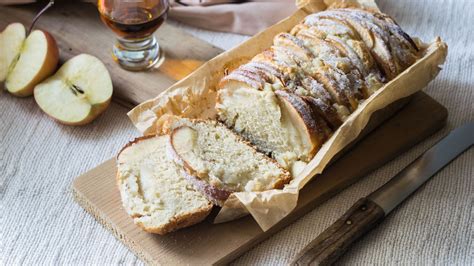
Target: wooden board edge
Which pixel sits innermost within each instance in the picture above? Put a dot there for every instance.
(91, 209)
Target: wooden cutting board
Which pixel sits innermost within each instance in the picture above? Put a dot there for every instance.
(207, 243)
(77, 28)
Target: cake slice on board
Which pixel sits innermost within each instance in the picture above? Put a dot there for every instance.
(154, 192)
(218, 162)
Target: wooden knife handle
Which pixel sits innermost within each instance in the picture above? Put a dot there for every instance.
(336, 239)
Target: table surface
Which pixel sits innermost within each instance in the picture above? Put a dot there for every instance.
(40, 222)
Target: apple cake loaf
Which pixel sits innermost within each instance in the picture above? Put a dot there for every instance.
(153, 190)
(218, 162)
(289, 99)
(273, 115)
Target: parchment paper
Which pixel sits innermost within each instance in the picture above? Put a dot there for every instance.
(194, 97)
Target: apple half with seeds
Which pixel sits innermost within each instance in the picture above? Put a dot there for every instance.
(79, 91)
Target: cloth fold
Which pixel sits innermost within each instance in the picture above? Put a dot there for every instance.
(244, 17)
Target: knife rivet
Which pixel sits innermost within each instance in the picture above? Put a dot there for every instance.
(349, 222)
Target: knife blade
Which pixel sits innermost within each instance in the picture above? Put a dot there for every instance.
(367, 212)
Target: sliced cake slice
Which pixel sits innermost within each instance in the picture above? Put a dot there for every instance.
(244, 77)
(397, 30)
(308, 88)
(402, 47)
(336, 82)
(288, 77)
(281, 126)
(353, 49)
(333, 29)
(281, 58)
(219, 162)
(362, 59)
(306, 52)
(154, 192)
(373, 36)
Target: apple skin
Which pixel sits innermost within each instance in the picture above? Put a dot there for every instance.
(49, 67)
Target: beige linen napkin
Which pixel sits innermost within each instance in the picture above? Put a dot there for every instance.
(16, 2)
(244, 17)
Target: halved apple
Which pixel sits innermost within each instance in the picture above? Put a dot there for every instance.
(26, 62)
(79, 92)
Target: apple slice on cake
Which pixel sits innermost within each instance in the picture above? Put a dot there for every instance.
(79, 91)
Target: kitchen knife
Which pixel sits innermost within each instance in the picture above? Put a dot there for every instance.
(367, 212)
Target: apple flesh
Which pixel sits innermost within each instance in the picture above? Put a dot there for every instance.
(37, 60)
(79, 91)
(26, 60)
(11, 41)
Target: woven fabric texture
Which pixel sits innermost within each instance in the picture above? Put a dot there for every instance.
(41, 224)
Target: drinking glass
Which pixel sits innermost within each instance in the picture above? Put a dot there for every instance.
(134, 22)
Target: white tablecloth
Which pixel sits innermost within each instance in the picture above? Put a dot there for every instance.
(41, 224)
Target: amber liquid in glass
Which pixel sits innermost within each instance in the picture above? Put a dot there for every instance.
(133, 22)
